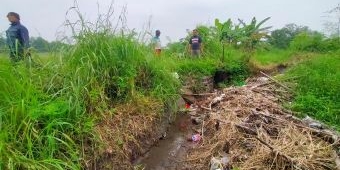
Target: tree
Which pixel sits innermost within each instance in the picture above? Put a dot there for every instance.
(281, 38)
(227, 33)
(332, 25)
(242, 34)
(209, 36)
(57, 45)
(3, 44)
(40, 44)
(253, 33)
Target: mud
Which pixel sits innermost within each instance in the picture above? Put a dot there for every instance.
(170, 151)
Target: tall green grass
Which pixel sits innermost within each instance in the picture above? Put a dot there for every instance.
(48, 112)
(318, 88)
(38, 129)
(273, 56)
(209, 63)
(120, 64)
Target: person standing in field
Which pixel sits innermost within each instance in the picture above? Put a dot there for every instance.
(156, 42)
(195, 44)
(17, 38)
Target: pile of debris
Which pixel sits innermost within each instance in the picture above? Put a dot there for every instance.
(247, 128)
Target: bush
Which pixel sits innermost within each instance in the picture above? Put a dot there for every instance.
(311, 42)
(233, 63)
(332, 44)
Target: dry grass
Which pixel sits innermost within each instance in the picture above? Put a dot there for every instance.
(127, 134)
(251, 127)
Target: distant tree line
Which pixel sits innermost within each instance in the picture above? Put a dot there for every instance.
(38, 44)
(281, 38)
(3, 44)
(302, 38)
(253, 36)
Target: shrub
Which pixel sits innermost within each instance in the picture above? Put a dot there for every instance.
(305, 41)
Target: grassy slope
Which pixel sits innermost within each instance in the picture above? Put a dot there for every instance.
(47, 111)
(272, 57)
(317, 86)
(39, 104)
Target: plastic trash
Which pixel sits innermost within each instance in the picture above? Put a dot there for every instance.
(187, 105)
(215, 164)
(196, 138)
(312, 123)
(175, 75)
(219, 163)
(225, 161)
(316, 125)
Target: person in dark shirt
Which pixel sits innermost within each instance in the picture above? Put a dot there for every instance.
(17, 38)
(195, 44)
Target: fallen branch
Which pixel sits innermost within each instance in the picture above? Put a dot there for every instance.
(246, 129)
(277, 82)
(337, 160)
(205, 108)
(200, 94)
(260, 85)
(216, 100)
(202, 131)
(254, 133)
(288, 158)
(327, 137)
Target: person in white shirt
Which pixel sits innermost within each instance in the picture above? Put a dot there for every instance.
(156, 42)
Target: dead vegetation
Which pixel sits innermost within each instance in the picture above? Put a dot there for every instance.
(127, 133)
(248, 126)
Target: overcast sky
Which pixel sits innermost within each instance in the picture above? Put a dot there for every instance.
(172, 17)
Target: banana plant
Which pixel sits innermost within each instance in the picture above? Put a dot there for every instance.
(253, 33)
(248, 35)
(226, 33)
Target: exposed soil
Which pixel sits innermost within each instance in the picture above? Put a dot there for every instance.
(240, 128)
(170, 151)
(245, 128)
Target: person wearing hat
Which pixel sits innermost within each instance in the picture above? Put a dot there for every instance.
(156, 42)
(17, 38)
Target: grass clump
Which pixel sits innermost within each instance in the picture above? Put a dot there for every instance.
(38, 129)
(207, 65)
(318, 88)
(48, 113)
(272, 57)
(120, 65)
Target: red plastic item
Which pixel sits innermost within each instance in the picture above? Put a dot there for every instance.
(187, 105)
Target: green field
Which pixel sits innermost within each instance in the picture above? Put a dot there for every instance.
(51, 107)
(318, 88)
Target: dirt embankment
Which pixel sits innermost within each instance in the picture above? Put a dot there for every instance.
(126, 133)
(239, 128)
